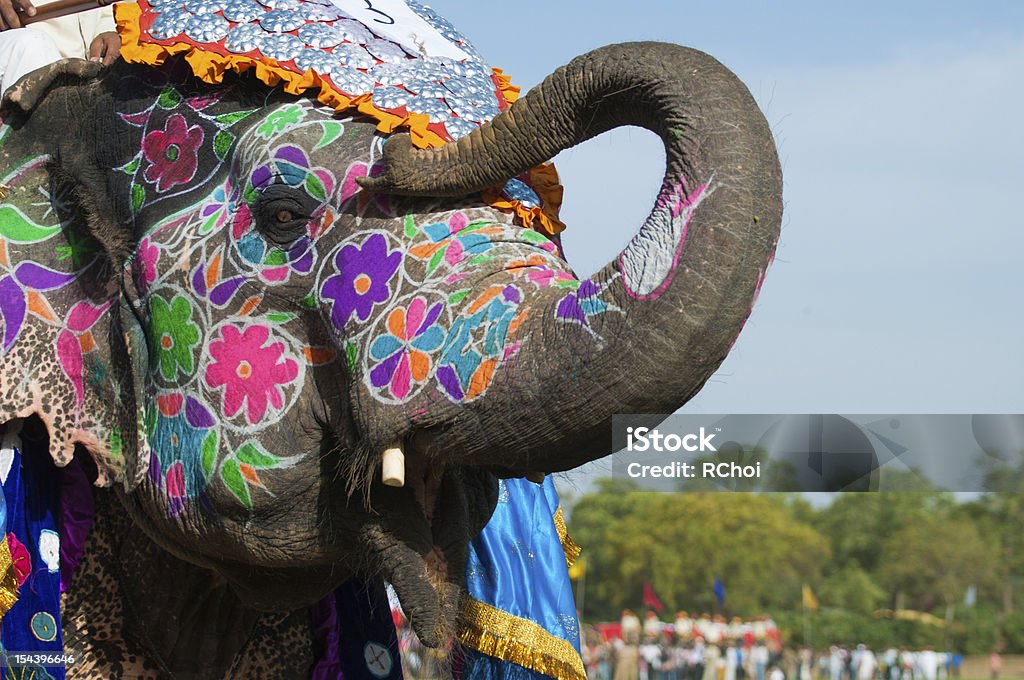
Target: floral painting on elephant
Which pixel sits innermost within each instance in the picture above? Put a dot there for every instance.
(312, 352)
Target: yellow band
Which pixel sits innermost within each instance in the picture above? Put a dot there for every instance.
(499, 634)
(572, 550)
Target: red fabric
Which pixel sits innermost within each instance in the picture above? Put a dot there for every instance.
(20, 559)
(650, 599)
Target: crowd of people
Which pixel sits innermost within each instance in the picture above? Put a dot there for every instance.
(701, 647)
(713, 648)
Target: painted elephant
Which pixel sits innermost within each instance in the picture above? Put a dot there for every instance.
(232, 301)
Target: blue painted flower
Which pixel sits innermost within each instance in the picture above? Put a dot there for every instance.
(182, 425)
(478, 343)
(404, 351)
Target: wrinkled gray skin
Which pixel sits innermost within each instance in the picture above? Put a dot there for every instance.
(680, 292)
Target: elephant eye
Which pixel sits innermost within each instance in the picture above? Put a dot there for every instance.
(282, 213)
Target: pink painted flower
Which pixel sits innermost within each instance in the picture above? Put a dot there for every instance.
(250, 369)
(145, 264)
(173, 153)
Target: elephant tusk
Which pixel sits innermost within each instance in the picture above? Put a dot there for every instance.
(393, 473)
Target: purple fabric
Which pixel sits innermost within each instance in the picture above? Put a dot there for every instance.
(77, 510)
(325, 631)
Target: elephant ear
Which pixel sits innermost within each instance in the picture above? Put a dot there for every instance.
(33, 87)
(63, 351)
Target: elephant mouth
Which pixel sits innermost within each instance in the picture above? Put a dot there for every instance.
(419, 546)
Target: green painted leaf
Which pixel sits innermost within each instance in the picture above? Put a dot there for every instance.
(410, 227)
(209, 453)
(116, 442)
(250, 194)
(436, 259)
(150, 421)
(480, 259)
(531, 236)
(475, 226)
(309, 302)
(457, 297)
(352, 357)
(251, 454)
(227, 119)
(280, 317)
(233, 479)
(169, 99)
(332, 130)
(132, 167)
(138, 197)
(315, 187)
(222, 144)
(570, 283)
(276, 258)
(17, 227)
(209, 224)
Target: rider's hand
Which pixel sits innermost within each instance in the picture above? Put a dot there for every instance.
(10, 16)
(105, 47)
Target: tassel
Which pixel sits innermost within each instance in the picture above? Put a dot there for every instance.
(8, 579)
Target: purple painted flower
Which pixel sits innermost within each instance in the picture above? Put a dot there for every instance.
(362, 279)
(579, 306)
(27, 276)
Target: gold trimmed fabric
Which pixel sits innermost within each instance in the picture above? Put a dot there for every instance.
(571, 548)
(496, 633)
(8, 578)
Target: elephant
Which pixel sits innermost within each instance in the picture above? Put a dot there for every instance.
(231, 306)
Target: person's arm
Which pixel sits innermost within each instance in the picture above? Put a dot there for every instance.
(10, 10)
(106, 46)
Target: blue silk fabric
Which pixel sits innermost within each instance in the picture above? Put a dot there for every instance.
(517, 565)
(31, 495)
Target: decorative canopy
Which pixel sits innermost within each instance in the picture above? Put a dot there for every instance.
(396, 61)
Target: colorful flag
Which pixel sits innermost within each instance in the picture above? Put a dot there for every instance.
(719, 591)
(810, 601)
(650, 599)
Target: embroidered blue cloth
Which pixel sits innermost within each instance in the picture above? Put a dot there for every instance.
(517, 565)
(31, 492)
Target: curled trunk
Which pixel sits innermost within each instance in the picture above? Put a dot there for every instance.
(644, 333)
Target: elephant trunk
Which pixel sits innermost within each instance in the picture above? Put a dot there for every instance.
(644, 333)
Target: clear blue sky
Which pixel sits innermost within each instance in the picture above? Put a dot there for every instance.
(899, 280)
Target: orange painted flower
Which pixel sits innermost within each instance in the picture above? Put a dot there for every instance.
(404, 351)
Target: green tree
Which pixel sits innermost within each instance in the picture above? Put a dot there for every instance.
(682, 542)
(851, 588)
(932, 561)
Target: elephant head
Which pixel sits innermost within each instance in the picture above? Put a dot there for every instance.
(236, 300)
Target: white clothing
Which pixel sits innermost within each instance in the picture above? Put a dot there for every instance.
(866, 664)
(928, 662)
(23, 50)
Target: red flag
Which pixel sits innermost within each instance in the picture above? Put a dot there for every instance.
(650, 599)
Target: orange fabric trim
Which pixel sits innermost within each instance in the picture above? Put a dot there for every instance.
(543, 218)
(210, 67)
